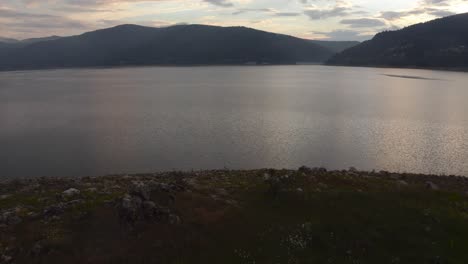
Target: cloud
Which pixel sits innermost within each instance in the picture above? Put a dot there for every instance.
(222, 3)
(82, 3)
(26, 22)
(363, 22)
(269, 11)
(340, 35)
(435, 8)
(317, 13)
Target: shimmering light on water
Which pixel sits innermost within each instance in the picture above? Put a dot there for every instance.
(100, 121)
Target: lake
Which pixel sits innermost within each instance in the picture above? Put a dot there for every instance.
(85, 122)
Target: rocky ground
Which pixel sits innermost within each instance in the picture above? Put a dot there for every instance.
(257, 216)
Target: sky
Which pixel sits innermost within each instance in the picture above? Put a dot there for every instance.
(311, 19)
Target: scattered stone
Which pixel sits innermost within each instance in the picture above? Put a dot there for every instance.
(116, 187)
(38, 249)
(92, 189)
(299, 190)
(322, 185)
(305, 169)
(54, 210)
(129, 208)
(73, 202)
(192, 183)
(320, 170)
(162, 186)
(6, 259)
(5, 196)
(232, 202)
(403, 183)
(70, 192)
(222, 192)
(174, 219)
(10, 217)
(432, 186)
(150, 210)
(140, 189)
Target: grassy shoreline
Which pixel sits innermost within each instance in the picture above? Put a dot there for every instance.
(234, 216)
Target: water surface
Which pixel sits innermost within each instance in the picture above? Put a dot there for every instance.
(98, 121)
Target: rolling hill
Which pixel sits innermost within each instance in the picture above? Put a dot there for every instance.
(440, 43)
(175, 45)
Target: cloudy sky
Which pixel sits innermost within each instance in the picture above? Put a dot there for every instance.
(314, 19)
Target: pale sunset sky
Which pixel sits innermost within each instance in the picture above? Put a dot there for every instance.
(312, 19)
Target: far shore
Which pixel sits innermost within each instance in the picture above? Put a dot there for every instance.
(448, 69)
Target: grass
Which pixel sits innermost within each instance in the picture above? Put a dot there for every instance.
(236, 217)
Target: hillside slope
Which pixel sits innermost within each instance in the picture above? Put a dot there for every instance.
(439, 43)
(176, 45)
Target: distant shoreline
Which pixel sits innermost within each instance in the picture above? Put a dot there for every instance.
(463, 70)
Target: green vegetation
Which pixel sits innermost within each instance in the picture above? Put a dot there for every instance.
(259, 216)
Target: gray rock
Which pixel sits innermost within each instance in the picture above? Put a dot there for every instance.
(162, 186)
(10, 217)
(130, 208)
(174, 219)
(432, 186)
(305, 169)
(38, 249)
(322, 185)
(402, 182)
(4, 196)
(70, 192)
(192, 183)
(232, 202)
(150, 210)
(222, 192)
(140, 189)
(6, 259)
(73, 202)
(54, 210)
(299, 190)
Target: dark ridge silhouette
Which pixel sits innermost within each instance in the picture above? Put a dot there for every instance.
(440, 43)
(175, 45)
(336, 46)
(7, 40)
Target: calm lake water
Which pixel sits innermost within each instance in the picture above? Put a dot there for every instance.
(126, 120)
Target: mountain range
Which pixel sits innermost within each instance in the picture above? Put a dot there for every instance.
(440, 43)
(175, 45)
